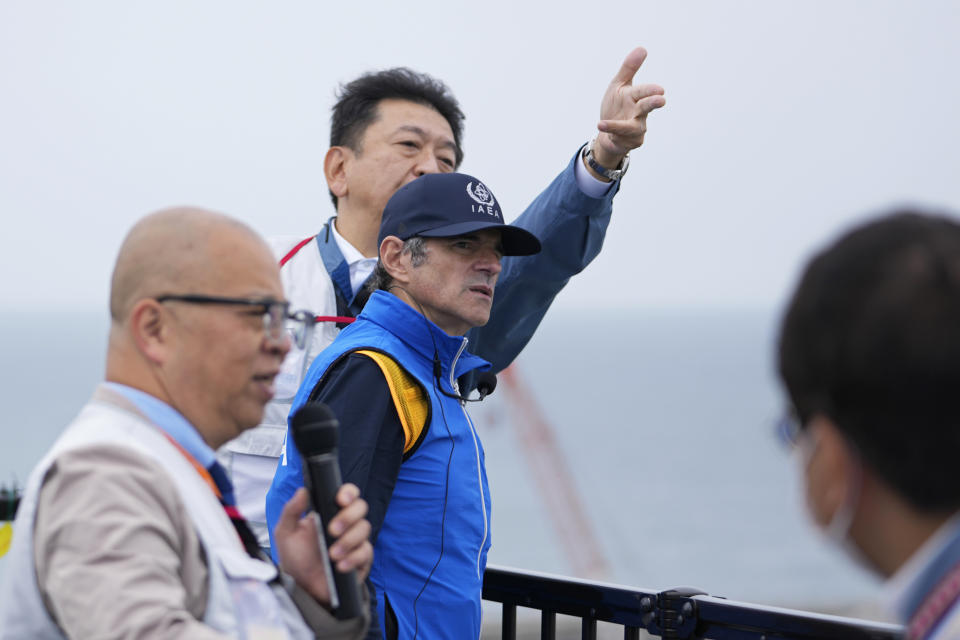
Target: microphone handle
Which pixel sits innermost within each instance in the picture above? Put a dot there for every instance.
(322, 478)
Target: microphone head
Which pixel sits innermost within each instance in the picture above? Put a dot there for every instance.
(486, 383)
(315, 429)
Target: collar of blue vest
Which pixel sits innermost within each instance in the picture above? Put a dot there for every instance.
(406, 323)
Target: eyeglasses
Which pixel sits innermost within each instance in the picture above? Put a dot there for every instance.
(789, 428)
(278, 320)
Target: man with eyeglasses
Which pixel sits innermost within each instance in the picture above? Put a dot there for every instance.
(870, 357)
(128, 527)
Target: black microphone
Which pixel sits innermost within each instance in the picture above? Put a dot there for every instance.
(486, 383)
(315, 432)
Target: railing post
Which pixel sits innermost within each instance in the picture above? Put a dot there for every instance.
(548, 625)
(508, 626)
(588, 629)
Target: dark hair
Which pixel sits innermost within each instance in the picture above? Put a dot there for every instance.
(381, 278)
(357, 102)
(871, 339)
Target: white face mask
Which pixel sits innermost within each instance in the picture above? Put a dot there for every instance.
(837, 530)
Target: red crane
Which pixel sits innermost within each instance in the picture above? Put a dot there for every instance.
(557, 487)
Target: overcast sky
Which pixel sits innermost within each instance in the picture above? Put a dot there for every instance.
(785, 122)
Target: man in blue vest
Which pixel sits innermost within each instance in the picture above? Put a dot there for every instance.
(406, 438)
(870, 356)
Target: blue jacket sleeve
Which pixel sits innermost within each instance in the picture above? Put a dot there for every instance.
(286, 480)
(571, 227)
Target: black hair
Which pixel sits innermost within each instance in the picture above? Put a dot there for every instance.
(871, 339)
(357, 102)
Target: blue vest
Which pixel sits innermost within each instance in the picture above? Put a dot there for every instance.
(432, 547)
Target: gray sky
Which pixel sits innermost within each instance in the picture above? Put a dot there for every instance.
(785, 122)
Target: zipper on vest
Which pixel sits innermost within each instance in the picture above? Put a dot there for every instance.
(483, 498)
(453, 368)
(476, 449)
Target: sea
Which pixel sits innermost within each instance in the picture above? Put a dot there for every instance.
(652, 461)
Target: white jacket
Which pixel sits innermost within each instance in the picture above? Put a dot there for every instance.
(252, 457)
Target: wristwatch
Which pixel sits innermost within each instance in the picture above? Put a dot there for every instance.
(609, 174)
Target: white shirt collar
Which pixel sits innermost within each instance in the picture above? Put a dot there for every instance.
(360, 266)
(349, 252)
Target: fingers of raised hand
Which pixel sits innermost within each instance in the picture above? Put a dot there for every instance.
(628, 132)
(630, 66)
(642, 91)
(632, 128)
(644, 106)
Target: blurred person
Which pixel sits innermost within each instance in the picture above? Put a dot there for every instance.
(128, 526)
(870, 356)
(406, 438)
(387, 129)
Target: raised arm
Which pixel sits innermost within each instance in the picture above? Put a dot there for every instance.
(570, 223)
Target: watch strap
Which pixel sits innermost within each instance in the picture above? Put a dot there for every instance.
(609, 174)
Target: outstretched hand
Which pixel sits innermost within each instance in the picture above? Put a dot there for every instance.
(624, 110)
(299, 553)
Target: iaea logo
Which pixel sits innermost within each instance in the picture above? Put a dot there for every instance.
(484, 199)
(480, 194)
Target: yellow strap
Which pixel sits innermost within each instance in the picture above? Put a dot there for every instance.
(408, 396)
(6, 537)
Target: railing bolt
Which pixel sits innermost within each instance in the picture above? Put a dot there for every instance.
(646, 604)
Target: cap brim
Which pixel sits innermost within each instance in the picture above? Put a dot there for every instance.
(516, 241)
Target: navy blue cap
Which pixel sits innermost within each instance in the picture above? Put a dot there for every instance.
(442, 205)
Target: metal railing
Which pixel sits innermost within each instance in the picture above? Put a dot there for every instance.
(676, 613)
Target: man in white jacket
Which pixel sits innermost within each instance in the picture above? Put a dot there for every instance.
(387, 129)
(128, 527)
